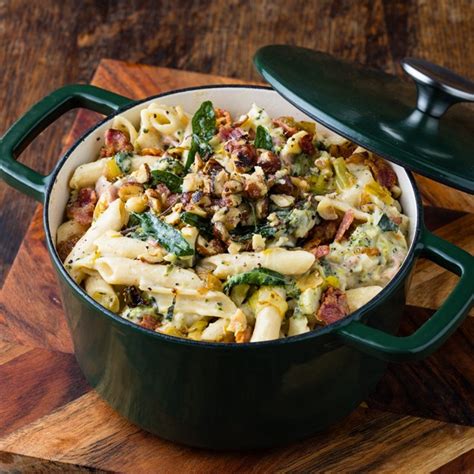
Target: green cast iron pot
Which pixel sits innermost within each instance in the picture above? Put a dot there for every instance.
(229, 396)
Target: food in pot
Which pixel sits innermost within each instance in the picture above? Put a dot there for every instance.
(232, 229)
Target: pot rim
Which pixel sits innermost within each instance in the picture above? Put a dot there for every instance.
(356, 316)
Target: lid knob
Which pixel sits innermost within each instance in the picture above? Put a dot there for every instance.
(438, 88)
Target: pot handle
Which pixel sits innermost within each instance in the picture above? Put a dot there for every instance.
(42, 114)
(439, 327)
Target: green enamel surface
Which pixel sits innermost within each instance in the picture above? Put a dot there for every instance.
(221, 397)
(439, 327)
(376, 110)
(30, 125)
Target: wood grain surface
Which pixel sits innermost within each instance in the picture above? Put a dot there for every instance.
(44, 45)
(419, 419)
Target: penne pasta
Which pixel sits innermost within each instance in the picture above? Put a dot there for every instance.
(126, 271)
(113, 218)
(102, 292)
(287, 262)
(226, 228)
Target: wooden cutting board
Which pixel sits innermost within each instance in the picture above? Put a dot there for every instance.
(420, 418)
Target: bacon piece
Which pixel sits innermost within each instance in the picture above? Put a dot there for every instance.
(149, 321)
(320, 251)
(334, 306)
(231, 133)
(345, 149)
(81, 208)
(346, 222)
(306, 144)
(64, 248)
(115, 141)
(283, 122)
(321, 234)
(269, 162)
(383, 172)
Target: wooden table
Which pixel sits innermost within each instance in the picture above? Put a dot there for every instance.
(421, 414)
(420, 417)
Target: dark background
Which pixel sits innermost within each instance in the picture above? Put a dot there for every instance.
(45, 44)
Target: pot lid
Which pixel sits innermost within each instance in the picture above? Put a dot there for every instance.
(408, 125)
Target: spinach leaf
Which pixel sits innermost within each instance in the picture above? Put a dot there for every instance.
(386, 224)
(199, 222)
(263, 277)
(263, 139)
(172, 181)
(204, 127)
(151, 226)
(244, 233)
(123, 160)
(257, 276)
(170, 164)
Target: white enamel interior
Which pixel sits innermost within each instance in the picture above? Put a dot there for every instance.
(237, 100)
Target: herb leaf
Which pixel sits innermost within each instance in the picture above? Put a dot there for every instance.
(386, 224)
(172, 181)
(242, 234)
(263, 139)
(123, 160)
(257, 276)
(262, 277)
(197, 221)
(204, 127)
(151, 226)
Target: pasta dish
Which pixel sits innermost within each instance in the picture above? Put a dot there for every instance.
(232, 229)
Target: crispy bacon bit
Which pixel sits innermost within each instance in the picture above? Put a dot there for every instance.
(269, 162)
(223, 118)
(320, 251)
(345, 150)
(64, 248)
(115, 141)
(149, 321)
(81, 208)
(171, 200)
(358, 158)
(306, 144)
(231, 133)
(334, 306)
(284, 186)
(163, 191)
(244, 157)
(346, 222)
(283, 122)
(383, 172)
(321, 234)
